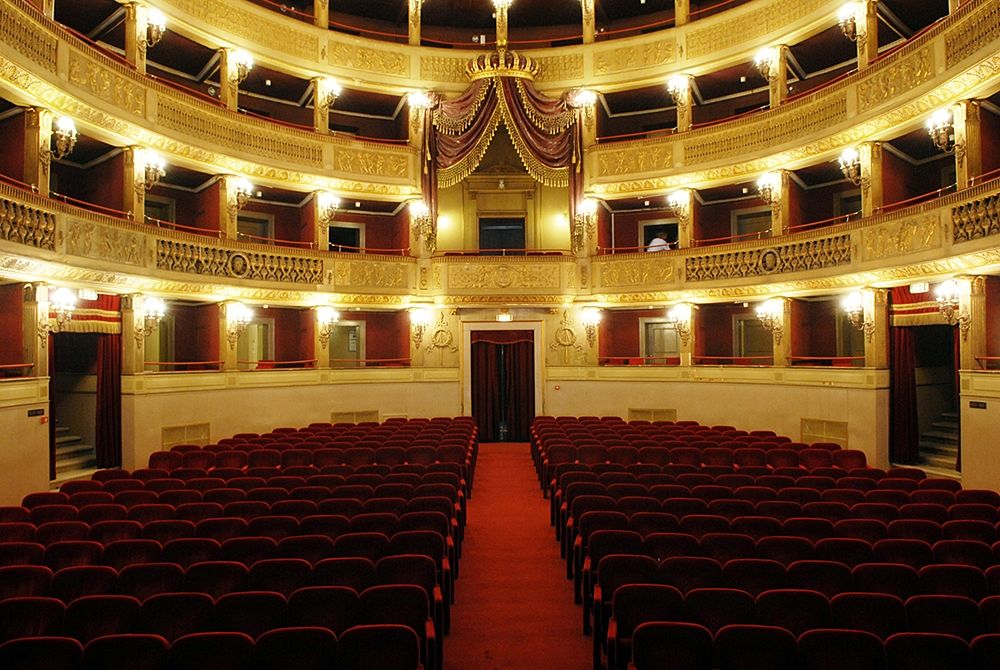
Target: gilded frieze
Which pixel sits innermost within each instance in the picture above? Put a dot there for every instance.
(976, 219)
(24, 36)
(377, 61)
(232, 132)
(636, 57)
(482, 276)
(745, 26)
(560, 68)
(771, 130)
(643, 156)
(371, 163)
(635, 272)
(204, 259)
(27, 225)
(980, 29)
(88, 239)
(899, 238)
(371, 274)
(111, 87)
(815, 254)
(896, 78)
(253, 26)
(443, 69)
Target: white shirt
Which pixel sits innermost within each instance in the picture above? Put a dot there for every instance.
(658, 244)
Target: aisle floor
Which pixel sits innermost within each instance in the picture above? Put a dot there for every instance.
(514, 606)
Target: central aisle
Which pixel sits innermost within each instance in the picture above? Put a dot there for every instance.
(514, 606)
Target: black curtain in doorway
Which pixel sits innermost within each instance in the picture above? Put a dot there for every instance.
(503, 384)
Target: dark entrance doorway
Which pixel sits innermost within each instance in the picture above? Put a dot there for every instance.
(501, 233)
(503, 384)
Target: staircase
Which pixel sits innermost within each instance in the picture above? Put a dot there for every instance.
(74, 459)
(939, 446)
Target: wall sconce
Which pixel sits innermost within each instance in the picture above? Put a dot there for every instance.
(62, 301)
(502, 4)
(504, 315)
(581, 98)
(771, 315)
(327, 318)
(950, 305)
(769, 187)
(242, 191)
(153, 169)
(766, 62)
(238, 317)
(850, 166)
(679, 88)
(328, 204)
(422, 99)
(941, 128)
(591, 318)
(584, 223)
(847, 17)
(679, 316)
(854, 306)
(64, 134)
(420, 318)
(156, 25)
(328, 92)
(241, 63)
(422, 224)
(153, 311)
(679, 203)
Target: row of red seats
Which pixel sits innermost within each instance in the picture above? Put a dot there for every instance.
(252, 612)
(684, 646)
(358, 648)
(793, 611)
(320, 457)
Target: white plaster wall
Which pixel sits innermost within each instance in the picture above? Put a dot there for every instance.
(236, 410)
(778, 407)
(980, 435)
(24, 449)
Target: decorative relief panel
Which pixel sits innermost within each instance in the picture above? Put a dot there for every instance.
(636, 272)
(979, 30)
(379, 61)
(900, 237)
(370, 274)
(230, 131)
(280, 35)
(84, 238)
(894, 79)
(504, 276)
(815, 254)
(370, 163)
(25, 37)
(976, 219)
(637, 57)
(636, 158)
(745, 26)
(774, 129)
(560, 68)
(440, 68)
(106, 84)
(27, 225)
(203, 259)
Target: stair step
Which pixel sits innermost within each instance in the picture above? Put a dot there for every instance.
(78, 449)
(939, 462)
(940, 436)
(937, 449)
(76, 463)
(951, 416)
(947, 426)
(68, 439)
(62, 430)
(67, 475)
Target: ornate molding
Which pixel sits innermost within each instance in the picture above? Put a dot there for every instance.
(662, 51)
(744, 25)
(900, 238)
(900, 76)
(215, 261)
(635, 271)
(636, 158)
(27, 225)
(105, 243)
(815, 254)
(368, 59)
(372, 163)
(443, 68)
(107, 85)
(25, 37)
(560, 68)
(980, 29)
(371, 274)
(976, 219)
(505, 276)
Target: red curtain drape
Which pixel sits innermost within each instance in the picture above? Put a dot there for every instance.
(904, 439)
(52, 419)
(520, 389)
(484, 383)
(957, 362)
(108, 433)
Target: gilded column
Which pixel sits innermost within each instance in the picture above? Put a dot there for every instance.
(589, 21)
(866, 21)
(321, 13)
(320, 341)
(33, 344)
(49, 8)
(680, 90)
(133, 338)
(781, 207)
(876, 313)
(414, 16)
(682, 12)
(133, 187)
(870, 155)
(681, 202)
(37, 156)
(973, 343)
(966, 119)
(777, 78)
(135, 37)
(501, 7)
(229, 209)
(229, 84)
(228, 337)
(687, 333)
(321, 111)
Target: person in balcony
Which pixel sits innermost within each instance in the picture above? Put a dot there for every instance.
(658, 243)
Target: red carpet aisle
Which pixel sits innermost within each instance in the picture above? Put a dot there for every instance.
(515, 606)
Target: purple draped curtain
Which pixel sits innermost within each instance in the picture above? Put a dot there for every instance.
(108, 433)
(484, 383)
(519, 380)
(904, 440)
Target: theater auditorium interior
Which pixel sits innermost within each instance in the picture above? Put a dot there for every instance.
(499, 334)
